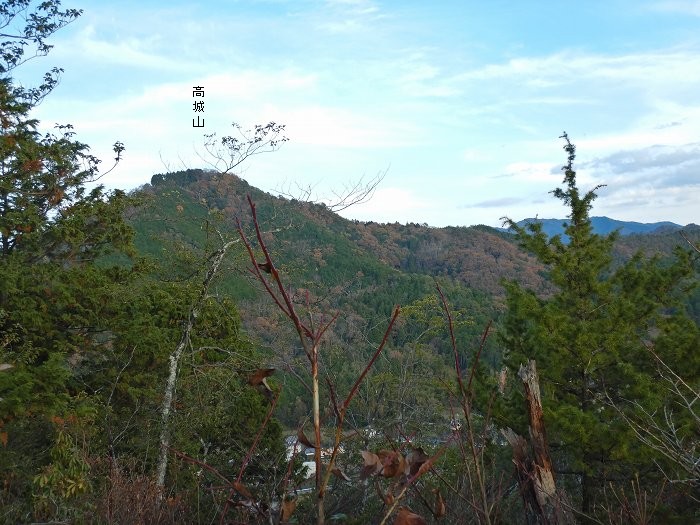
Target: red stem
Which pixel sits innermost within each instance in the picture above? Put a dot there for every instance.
(478, 354)
(361, 377)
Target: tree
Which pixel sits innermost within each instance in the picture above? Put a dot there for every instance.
(87, 329)
(52, 292)
(35, 28)
(589, 341)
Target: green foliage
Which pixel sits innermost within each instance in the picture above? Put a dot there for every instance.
(589, 340)
(66, 477)
(52, 295)
(87, 327)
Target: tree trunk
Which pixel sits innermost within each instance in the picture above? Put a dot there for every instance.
(167, 404)
(317, 434)
(175, 362)
(543, 469)
(585, 493)
(543, 502)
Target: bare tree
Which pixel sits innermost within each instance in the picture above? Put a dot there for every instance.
(174, 360)
(351, 194)
(693, 246)
(228, 152)
(310, 333)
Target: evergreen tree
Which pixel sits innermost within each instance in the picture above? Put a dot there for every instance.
(590, 342)
(85, 328)
(52, 294)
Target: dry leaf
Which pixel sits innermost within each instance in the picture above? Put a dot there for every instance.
(426, 466)
(440, 509)
(393, 463)
(340, 474)
(258, 377)
(372, 464)
(5, 366)
(415, 460)
(288, 507)
(265, 267)
(304, 440)
(3, 438)
(406, 517)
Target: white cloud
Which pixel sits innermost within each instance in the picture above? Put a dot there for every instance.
(529, 171)
(338, 127)
(672, 69)
(686, 7)
(389, 204)
(499, 202)
(349, 16)
(476, 155)
(132, 52)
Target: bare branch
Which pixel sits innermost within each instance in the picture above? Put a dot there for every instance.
(353, 193)
(226, 153)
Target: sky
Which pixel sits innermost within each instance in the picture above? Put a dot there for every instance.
(460, 104)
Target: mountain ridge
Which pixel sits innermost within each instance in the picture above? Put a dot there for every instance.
(364, 266)
(603, 225)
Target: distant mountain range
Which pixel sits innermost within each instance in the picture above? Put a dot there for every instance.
(605, 225)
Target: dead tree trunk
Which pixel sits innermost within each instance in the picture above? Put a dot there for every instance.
(174, 359)
(543, 502)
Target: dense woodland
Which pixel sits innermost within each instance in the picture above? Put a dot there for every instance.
(199, 351)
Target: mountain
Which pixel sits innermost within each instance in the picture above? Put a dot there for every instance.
(321, 246)
(605, 225)
(317, 245)
(358, 269)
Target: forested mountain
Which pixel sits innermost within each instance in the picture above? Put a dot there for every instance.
(397, 262)
(605, 225)
(359, 270)
(477, 256)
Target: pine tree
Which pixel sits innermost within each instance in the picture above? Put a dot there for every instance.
(590, 342)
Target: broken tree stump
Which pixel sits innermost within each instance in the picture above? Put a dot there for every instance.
(535, 472)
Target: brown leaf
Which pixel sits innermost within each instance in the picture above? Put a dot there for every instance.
(372, 464)
(5, 366)
(258, 377)
(393, 463)
(266, 390)
(242, 490)
(288, 507)
(3, 438)
(427, 465)
(440, 509)
(406, 517)
(415, 460)
(304, 440)
(265, 267)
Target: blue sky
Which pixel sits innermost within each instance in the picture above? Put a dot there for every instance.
(460, 102)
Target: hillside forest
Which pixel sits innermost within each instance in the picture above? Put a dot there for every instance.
(197, 350)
